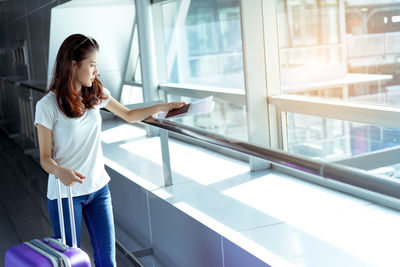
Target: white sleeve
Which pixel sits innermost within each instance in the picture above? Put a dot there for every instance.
(105, 102)
(44, 115)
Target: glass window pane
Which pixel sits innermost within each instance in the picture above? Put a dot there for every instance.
(203, 50)
(226, 119)
(311, 50)
(331, 139)
(203, 42)
(133, 68)
(131, 94)
(349, 50)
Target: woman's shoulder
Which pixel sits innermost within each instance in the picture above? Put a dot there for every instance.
(48, 97)
(48, 100)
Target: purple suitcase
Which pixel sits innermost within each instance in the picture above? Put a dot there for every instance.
(50, 251)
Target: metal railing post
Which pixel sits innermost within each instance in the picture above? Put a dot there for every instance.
(165, 158)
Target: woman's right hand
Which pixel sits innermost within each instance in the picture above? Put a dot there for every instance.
(68, 176)
(171, 105)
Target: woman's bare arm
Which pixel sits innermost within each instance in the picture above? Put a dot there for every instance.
(67, 176)
(135, 115)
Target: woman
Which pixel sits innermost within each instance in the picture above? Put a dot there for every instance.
(68, 123)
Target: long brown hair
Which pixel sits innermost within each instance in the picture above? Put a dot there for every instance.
(76, 47)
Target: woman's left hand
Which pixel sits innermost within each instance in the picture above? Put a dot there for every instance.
(172, 105)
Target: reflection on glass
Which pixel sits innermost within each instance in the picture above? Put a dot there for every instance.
(203, 48)
(311, 51)
(203, 42)
(373, 47)
(331, 139)
(346, 50)
(349, 50)
(226, 119)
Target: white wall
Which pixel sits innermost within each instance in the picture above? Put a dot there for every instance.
(109, 22)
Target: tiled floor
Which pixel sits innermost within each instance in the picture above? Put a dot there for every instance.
(21, 218)
(23, 214)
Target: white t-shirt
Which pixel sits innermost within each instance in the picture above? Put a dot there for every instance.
(76, 144)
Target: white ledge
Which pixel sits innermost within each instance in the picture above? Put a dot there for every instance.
(281, 220)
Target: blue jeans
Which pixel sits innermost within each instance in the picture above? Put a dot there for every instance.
(97, 211)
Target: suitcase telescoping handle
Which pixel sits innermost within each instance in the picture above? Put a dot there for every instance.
(71, 214)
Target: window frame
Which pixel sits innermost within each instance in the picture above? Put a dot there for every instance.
(262, 81)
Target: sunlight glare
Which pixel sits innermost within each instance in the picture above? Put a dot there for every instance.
(324, 214)
(121, 133)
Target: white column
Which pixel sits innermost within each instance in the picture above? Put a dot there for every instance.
(261, 73)
(147, 53)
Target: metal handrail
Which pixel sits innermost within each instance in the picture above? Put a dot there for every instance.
(337, 172)
(129, 255)
(348, 175)
(36, 85)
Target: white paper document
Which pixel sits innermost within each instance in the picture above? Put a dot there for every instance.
(202, 106)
